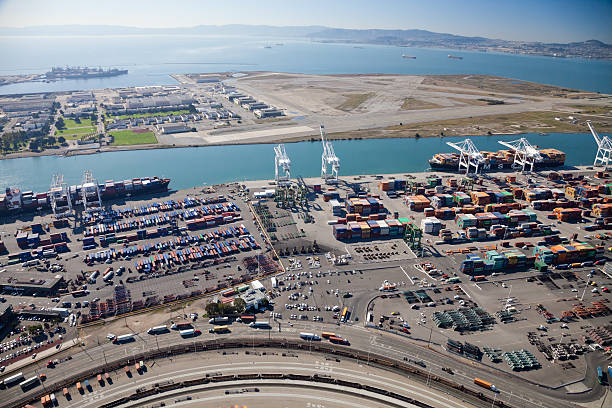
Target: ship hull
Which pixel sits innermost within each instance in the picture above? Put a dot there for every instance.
(140, 187)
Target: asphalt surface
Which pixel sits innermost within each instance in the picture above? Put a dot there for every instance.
(512, 390)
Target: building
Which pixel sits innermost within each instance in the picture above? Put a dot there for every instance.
(267, 113)
(173, 128)
(8, 318)
(31, 284)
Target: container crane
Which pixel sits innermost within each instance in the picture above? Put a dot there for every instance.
(524, 153)
(90, 191)
(329, 158)
(61, 204)
(470, 155)
(604, 147)
(282, 165)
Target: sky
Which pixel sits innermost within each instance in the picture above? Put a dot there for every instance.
(522, 20)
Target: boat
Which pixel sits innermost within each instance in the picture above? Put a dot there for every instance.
(408, 56)
(14, 200)
(82, 72)
(454, 57)
(499, 160)
(268, 46)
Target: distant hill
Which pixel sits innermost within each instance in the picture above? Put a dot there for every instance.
(409, 38)
(259, 30)
(424, 38)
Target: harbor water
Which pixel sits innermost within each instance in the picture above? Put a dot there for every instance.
(150, 60)
(197, 166)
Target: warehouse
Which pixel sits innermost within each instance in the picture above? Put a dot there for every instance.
(30, 284)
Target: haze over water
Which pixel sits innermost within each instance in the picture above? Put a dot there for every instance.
(151, 58)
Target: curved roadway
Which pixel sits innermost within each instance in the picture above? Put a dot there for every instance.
(513, 390)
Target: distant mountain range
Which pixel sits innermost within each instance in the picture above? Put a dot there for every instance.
(407, 38)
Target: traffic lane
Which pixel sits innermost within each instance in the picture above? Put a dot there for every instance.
(97, 356)
(347, 370)
(360, 338)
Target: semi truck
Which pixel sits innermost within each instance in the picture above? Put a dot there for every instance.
(26, 384)
(14, 379)
(260, 325)
(485, 384)
(220, 329)
(600, 375)
(123, 338)
(220, 319)
(310, 336)
(93, 276)
(339, 340)
(189, 333)
(181, 326)
(158, 330)
(108, 276)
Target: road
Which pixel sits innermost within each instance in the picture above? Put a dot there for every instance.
(513, 390)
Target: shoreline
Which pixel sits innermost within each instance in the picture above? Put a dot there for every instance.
(273, 140)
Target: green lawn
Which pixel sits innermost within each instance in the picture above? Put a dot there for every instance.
(147, 115)
(70, 123)
(75, 131)
(129, 137)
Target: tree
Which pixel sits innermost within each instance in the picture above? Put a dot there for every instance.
(34, 145)
(59, 123)
(239, 305)
(61, 139)
(212, 309)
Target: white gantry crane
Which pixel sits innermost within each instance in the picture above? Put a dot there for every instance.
(470, 155)
(61, 204)
(329, 158)
(604, 147)
(524, 153)
(90, 192)
(282, 165)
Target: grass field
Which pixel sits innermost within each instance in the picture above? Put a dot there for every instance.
(148, 115)
(75, 131)
(72, 124)
(129, 137)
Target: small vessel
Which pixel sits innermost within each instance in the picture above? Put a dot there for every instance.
(454, 57)
(408, 56)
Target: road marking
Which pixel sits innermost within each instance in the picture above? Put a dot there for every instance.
(409, 278)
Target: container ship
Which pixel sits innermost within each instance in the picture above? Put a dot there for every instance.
(499, 160)
(408, 56)
(13, 200)
(82, 72)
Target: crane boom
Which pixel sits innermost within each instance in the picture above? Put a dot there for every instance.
(328, 158)
(604, 147)
(470, 155)
(282, 164)
(524, 153)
